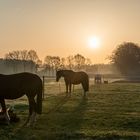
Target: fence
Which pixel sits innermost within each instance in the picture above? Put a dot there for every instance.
(46, 79)
(50, 86)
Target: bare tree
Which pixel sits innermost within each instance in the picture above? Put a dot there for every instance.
(11, 58)
(48, 63)
(62, 63)
(56, 62)
(32, 55)
(24, 57)
(88, 62)
(13, 55)
(70, 62)
(79, 61)
(52, 62)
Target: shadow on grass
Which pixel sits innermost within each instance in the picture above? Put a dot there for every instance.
(68, 121)
(131, 124)
(10, 131)
(59, 105)
(21, 107)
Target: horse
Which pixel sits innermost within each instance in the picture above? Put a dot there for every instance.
(71, 77)
(15, 86)
(98, 79)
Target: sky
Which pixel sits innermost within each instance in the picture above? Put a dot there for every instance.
(63, 27)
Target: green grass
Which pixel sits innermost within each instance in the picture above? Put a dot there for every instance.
(110, 111)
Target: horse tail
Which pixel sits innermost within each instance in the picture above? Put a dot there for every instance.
(87, 83)
(39, 100)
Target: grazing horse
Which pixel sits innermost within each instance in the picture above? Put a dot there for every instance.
(74, 78)
(15, 86)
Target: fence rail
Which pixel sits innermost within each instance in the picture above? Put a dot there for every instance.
(108, 78)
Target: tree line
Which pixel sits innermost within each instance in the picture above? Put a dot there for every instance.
(126, 58)
(51, 63)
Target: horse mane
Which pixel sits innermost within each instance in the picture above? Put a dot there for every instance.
(69, 70)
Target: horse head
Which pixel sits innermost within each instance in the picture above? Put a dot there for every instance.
(58, 75)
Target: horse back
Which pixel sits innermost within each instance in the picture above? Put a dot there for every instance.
(19, 84)
(79, 77)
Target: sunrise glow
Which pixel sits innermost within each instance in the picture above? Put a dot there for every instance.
(92, 28)
(94, 42)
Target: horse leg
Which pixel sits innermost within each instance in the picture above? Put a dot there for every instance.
(66, 88)
(32, 112)
(6, 115)
(70, 89)
(84, 88)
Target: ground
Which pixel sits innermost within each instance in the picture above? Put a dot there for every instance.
(110, 111)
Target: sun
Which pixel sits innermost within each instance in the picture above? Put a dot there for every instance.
(94, 42)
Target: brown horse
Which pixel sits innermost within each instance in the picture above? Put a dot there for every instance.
(74, 78)
(15, 86)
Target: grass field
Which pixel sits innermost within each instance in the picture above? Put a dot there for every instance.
(110, 111)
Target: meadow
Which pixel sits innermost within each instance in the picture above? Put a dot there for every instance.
(110, 112)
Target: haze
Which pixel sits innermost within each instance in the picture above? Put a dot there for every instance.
(62, 27)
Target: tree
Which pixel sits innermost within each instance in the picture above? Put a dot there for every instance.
(56, 62)
(52, 63)
(70, 62)
(48, 63)
(62, 63)
(127, 58)
(13, 55)
(11, 58)
(79, 61)
(17, 55)
(87, 64)
(25, 57)
(32, 55)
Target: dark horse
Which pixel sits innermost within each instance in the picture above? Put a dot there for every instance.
(15, 86)
(74, 78)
